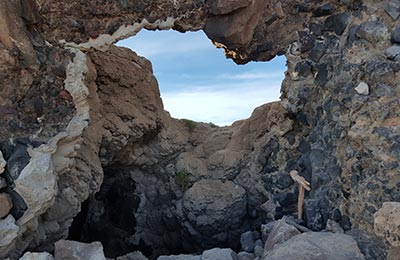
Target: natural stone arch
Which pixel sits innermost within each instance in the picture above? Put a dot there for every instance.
(340, 140)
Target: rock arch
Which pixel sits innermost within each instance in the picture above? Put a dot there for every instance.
(65, 89)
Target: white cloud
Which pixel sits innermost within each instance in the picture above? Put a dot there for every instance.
(254, 75)
(219, 106)
(149, 45)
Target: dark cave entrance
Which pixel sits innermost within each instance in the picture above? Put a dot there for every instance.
(109, 217)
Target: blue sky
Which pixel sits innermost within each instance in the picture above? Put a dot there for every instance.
(197, 82)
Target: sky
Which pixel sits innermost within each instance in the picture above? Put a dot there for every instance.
(198, 83)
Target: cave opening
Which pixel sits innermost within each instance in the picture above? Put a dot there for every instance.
(139, 208)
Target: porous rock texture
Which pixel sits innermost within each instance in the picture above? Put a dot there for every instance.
(82, 121)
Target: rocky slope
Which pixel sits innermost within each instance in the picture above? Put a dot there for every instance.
(87, 151)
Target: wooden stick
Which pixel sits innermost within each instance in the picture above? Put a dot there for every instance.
(300, 202)
(303, 184)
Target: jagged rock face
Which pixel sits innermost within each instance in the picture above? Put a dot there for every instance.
(75, 109)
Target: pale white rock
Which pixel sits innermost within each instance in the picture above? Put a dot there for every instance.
(387, 223)
(8, 230)
(37, 256)
(38, 175)
(104, 41)
(66, 249)
(2, 163)
(362, 89)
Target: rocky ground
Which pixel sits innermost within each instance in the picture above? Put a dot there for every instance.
(89, 154)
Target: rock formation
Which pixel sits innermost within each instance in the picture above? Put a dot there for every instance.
(87, 151)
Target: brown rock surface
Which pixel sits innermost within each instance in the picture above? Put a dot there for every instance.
(387, 223)
(5, 204)
(112, 133)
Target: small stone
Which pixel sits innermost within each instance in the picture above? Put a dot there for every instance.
(333, 226)
(393, 53)
(3, 183)
(345, 223)
(247, 240)
(259, 250)
(303, 69)
(36, 256)
(219, 254)
(374, 31)
(396, 35)
(8, 230)
(337, 23)
(279, 11)
(362, 89)
(393, 9)
(65, 249)
(317, 52)
(2, 163)
(326, 9)
(246, 256)
(5, 204)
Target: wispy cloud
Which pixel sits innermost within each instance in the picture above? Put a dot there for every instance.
(268, 75)
(197, 82)
(152, 46)
(222, 106)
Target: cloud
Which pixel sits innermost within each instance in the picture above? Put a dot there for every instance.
(221, 106)
(268, 75)
(148, 44)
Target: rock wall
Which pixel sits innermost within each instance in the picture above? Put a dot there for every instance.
(79, 115)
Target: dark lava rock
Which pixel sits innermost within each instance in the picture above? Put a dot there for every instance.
(313, 216)
(345, 223)
(373, 31)
(303, 69)
(17, 162)
(317, 52)
(396, 35)
(316, 28)
(19, 206)
(322, 76)
(326, 9)
(306, 40)
(337, 23)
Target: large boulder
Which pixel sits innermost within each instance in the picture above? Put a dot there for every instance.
(213, 207)
(280, 233)
(317, 246)
(387, 223)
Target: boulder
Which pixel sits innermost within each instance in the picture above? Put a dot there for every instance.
(66, 250)
(219, 254)
(279, 234)
(387, 223)
(317, 246)
(213, 206)
(37, 256)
